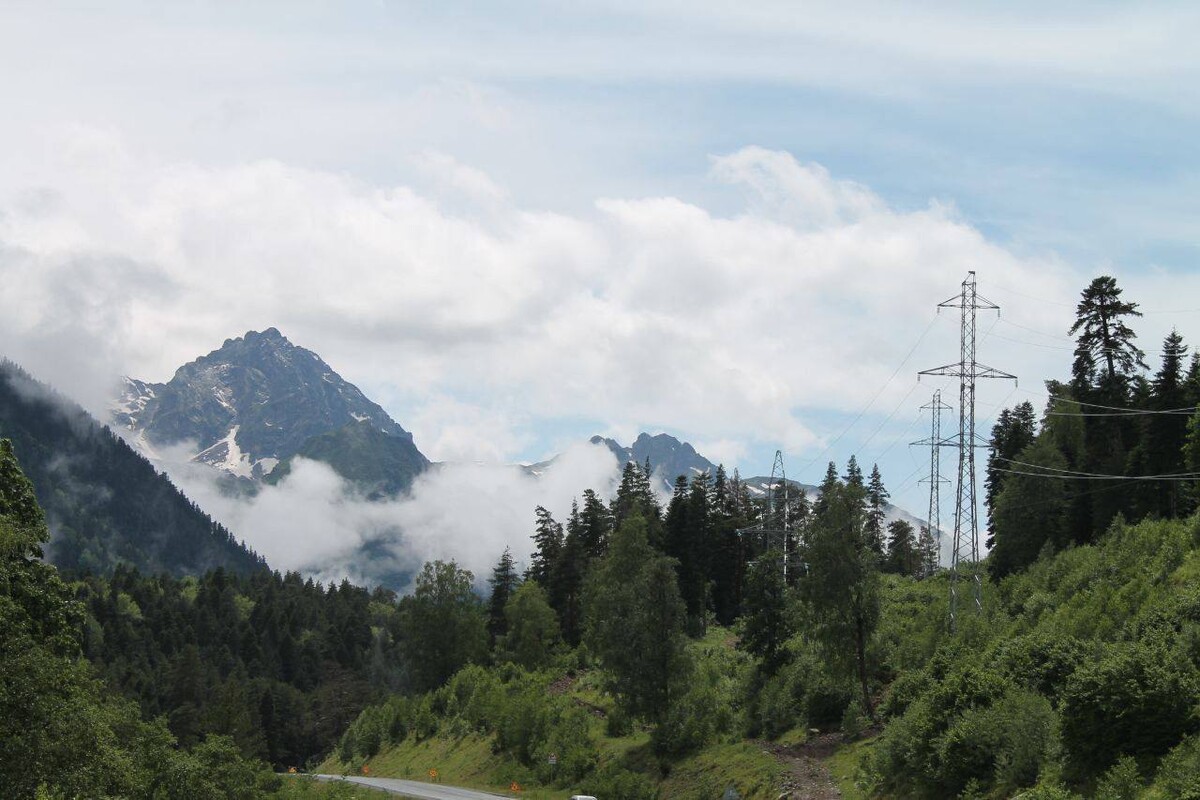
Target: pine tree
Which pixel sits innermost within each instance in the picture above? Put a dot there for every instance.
(1104, 341)
(768, 625)
(1159, 450)
(1014, 430)
(548, 543)
(689, 542)
(566, 580)
(903, 555)
(635, 496)
(1103, 378)
(595, 525)
(854, 475)
(725, 565)
(1031, 511)
(532, 628)
(504, 583)
(877, 497)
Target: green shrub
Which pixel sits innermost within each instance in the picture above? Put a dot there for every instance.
(1179, 774)
(1042, 661)
(569, 737)
(1121, 782)
(1133, 701)
(854, 722)
(903, 691)
(618, 723)
(615, 783)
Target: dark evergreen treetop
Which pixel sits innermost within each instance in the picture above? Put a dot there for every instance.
(1104, 338)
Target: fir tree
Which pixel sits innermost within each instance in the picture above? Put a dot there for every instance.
(1104, 342)
(1163, 434)
(877, 497)
(504, 583)
(548, 543)
(1013, 432)
(903, 554)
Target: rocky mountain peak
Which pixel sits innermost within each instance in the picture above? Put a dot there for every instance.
(252, 403)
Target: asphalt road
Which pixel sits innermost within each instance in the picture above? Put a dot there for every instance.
(414, 789)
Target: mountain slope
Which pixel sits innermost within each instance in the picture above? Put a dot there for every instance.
(377, 463)
(259, 400)
(105, 504)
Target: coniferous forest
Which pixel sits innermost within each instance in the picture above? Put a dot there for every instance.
(673, 650)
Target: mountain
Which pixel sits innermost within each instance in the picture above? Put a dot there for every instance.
(669, 458)
(259, 401)
(105, 504)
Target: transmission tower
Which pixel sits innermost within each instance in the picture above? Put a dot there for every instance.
(967, 370)
(775, 522)
(935, 442)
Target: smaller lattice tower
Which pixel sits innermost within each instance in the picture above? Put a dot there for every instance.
(931, 560)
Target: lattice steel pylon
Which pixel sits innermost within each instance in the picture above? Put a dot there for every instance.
(778, 522)
(935, 442)
(776, 516)
(967, 370)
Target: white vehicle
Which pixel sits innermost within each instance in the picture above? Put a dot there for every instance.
(582, 797)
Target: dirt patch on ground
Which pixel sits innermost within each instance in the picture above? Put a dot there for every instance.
(562, 685)
(806, 776)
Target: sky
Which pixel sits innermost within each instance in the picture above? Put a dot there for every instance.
(518, 225)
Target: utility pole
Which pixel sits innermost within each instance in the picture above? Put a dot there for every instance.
(967, 370)
(929, 563)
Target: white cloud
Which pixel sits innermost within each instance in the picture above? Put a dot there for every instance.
(647, 313)
(314, 522)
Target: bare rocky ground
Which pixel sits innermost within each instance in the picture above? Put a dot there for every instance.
(806, 776)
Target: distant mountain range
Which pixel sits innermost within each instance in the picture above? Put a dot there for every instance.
(257, 402)
(105, 504)
(668, 457)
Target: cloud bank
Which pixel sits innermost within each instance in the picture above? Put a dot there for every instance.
(316, 523)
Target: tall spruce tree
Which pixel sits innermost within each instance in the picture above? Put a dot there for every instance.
(1103, 378)
(725, 566)
(1163, 434)
(877, 498)
(504, 583)
(686, 534)
(1104, 347)
(1014, 430)
(903, 553)
(767, 621)
(566, 580)
(1032, 509)
(547, 547)
(595, 525)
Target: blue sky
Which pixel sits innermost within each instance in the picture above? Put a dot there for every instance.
(517, 225)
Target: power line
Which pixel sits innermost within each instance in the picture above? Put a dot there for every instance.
(1180, 477)
(875, 397)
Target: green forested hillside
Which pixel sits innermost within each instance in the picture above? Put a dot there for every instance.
(105, 504)
(1078, 676)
